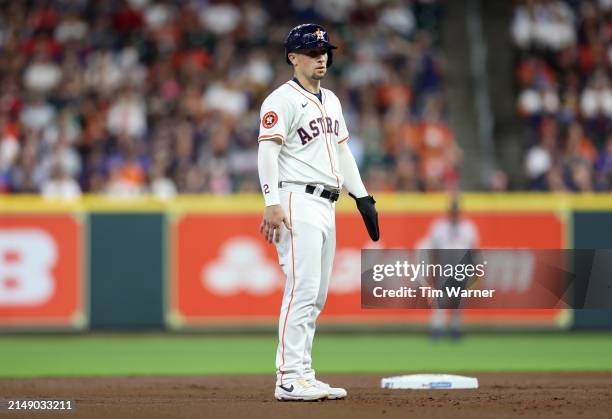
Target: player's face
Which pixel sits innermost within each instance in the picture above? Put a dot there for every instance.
(312, 63)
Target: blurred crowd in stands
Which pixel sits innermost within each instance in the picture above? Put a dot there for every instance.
(136, 96)
(564, 63)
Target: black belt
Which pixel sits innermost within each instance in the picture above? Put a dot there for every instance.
(325, 193)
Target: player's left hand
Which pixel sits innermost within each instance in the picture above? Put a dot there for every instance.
(367, 208)
(273, 218)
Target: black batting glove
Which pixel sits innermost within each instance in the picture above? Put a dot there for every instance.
(367, 208)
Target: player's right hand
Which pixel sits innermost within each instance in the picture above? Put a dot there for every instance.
(273, 218)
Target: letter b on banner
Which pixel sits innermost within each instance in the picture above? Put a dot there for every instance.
(27, 257)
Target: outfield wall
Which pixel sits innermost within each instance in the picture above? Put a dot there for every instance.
(199, 262)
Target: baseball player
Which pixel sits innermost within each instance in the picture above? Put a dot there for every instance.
(451, 232)
(303, 163)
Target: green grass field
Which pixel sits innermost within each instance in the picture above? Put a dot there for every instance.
(119, 354)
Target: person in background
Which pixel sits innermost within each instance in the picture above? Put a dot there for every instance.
(453, 231)
(60, 185)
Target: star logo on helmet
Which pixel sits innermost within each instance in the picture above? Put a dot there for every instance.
(319, 34)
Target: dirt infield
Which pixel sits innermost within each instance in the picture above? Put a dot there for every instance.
(543, 395)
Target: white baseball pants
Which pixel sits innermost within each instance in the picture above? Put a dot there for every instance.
(306, 255)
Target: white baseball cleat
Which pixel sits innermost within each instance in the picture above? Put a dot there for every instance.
(335, 393)
(299, 390)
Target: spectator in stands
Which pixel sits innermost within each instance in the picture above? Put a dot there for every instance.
(61, 154)
(578, 146)
(499, 182)
(21, 176)
(162, 187)
(539, 95)
(604, 166)
(596, 99)
(42, 74)
(123, 182)
(555, 181)
(9, 149)
(581, 177)
(406, 174)
(439, 154)
(59, 185)
(541, 157)
(127, 115)
(578, 159)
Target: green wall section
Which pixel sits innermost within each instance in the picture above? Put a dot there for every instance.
(127, 262)
(592, 230)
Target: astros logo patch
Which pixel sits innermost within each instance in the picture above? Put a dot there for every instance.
(269, 119)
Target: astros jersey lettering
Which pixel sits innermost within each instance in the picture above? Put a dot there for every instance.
(310, 130)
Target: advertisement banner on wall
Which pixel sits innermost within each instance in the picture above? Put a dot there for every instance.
(223, 272)
(41, 280)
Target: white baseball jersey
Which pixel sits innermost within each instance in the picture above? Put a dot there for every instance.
(310, 130)
(446, 235)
